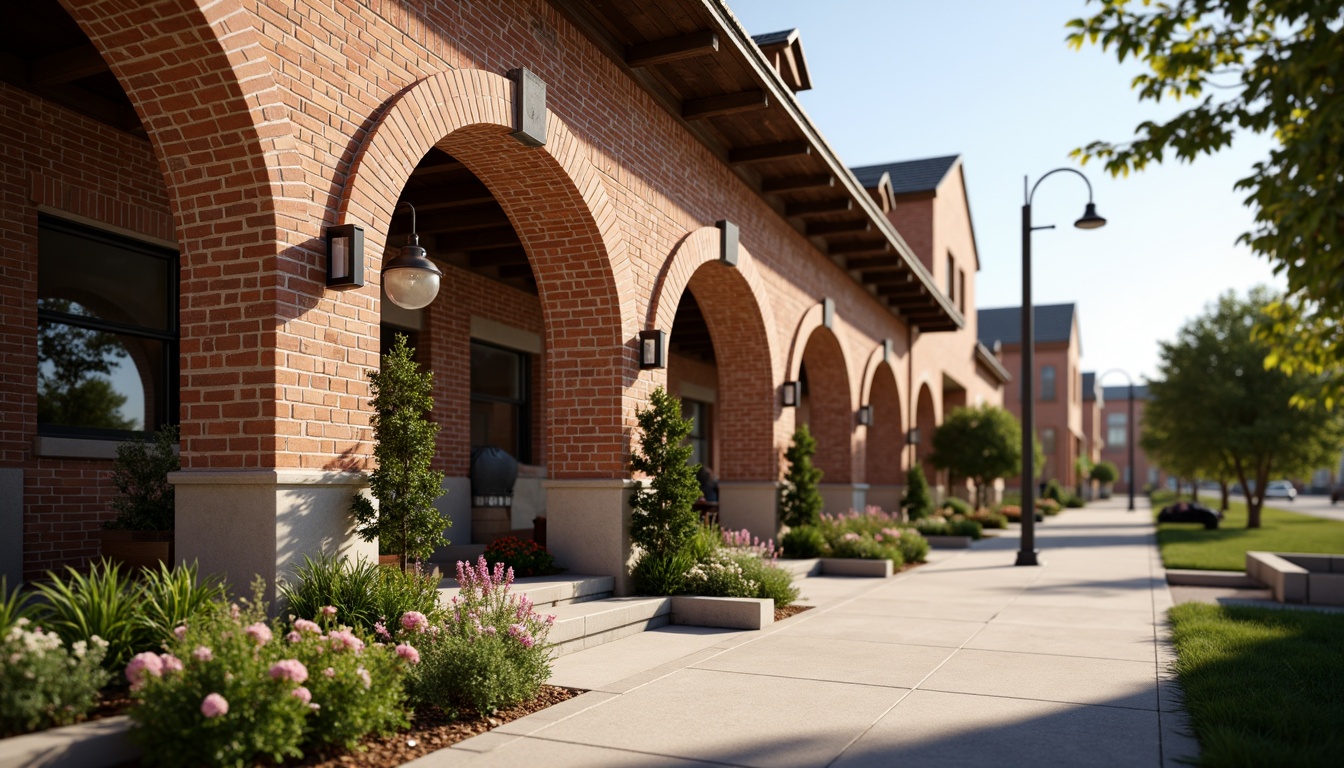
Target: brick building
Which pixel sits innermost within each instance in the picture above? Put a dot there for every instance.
(1092, 426)
(581, 172)
(1059, 382)
(1115, 439)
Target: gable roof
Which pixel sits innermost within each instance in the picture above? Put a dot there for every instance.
(1121, 392)
(1054, 322)
(910, 176)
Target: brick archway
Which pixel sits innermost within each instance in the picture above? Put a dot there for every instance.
(885, 440)
(737, 312)
(556, 203)
(926, 421)
(827, 405)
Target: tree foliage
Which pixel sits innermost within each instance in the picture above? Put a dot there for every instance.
(1216, 408)
(1105, 472)
(663, 521)
(983, 443)
(1263, 66)
(800, 500)
(145, 500)
(916, 501)
(405, 521)
(73, 388)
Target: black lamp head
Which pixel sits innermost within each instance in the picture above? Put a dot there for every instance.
(1090, 218)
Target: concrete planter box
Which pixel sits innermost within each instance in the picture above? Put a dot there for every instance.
(723, 612)
(844, 566)
(949, 542)
(1299, 578)
(98, 744)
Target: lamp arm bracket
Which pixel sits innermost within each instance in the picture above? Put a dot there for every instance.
(1032, 194)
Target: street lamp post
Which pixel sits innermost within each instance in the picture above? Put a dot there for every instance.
(1130, 433)
(1027, 554)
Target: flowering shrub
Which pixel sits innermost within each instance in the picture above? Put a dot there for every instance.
(490, 650)
(742, 566)
(866, 523)
(953, 526)
(864, 547)
(873, 535)
(231, 689)
(988, 518)
(526, 558)
(803, 541)
(721, 575)
(362, 593)
(914, 547)
(42, 683)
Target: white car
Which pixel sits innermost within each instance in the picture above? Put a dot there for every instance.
(1280, 489)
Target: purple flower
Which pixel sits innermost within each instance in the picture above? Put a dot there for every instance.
(328, 610)
(214, 705)
(180, 631)
(289, 669)
(408, 653)
(259, 632)
(380, 629)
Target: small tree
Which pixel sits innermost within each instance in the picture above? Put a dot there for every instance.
(1105, 472)
(983, 443)
(405, 521)
(145, 500)
(663, 521)
(917, 501)
(800, 503)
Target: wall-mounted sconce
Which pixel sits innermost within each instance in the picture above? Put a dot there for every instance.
(828, 313)
(410, 279)
(866, 415)
(912, 437)
(529, 107)
(789, 394)
(728, 237)
(651, 346)
(345, 256)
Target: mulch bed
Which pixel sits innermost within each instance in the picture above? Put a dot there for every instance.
(791, 610)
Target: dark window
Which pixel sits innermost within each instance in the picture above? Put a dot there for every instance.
(106, 332)
(701, 437)
(951, 278)
(961, 291)
(501, 400)
(1047, 382)
(1117, 430)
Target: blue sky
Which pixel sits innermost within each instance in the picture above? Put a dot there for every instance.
(995, 82)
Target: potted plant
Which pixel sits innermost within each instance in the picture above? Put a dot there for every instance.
(404, 521)
(141, 535)
(1105, 473)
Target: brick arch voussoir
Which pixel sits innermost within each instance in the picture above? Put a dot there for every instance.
(831, 396)
(885, 437)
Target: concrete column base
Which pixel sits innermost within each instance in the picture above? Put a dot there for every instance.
(490, 523)
(888, 497)
(249, 523)
(838, 498)
(588, 528)
(455, 506)
(11, 527)
(753, 505)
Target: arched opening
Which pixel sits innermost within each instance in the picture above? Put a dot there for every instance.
(825, 407)
(885, 443)
(926, 421)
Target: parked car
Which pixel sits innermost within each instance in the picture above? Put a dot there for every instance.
(1337, 494)
(1280, 489)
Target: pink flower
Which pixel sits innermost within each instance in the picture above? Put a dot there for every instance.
(329, 672)
(304, 625)
(364, 676)
(180, 631)
(234, 612)
(344, 639)
(260, 633)
(414, 621)
(519, 632)
(170, 662)
(293, 637)
(380, 629)
(202, 653)
(408, 653)
(141, 665)
(328, 610)
(302, 694)
(289, 669)
(214, 705)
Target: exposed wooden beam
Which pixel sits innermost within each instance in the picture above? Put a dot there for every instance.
(66, 66)
(726, 104)
(838, 227)
(700, 43)
(793, 183)
(766, 152)
(497, 256)
(475, 240)
(861, 246)
(515, 271)
(895, 291)
(459, 219)
(821, 206)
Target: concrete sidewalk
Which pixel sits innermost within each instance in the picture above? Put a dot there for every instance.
(966, 661)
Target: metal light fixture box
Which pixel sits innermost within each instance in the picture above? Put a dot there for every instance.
(912, 437)
(828, 313)
(728, 240)
(529, 107)
(789, 394)
(345, 256)
(651, 347)
(866, 415)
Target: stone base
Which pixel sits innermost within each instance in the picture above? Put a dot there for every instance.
(723, 612)
(11, 527)
(588, 528)
(750, 505)
(249, 523)
(490, 523)
(839, 498)
(888, 497)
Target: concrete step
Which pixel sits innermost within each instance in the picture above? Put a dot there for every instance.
(547, 591)
(589, 624)
(1226, 579)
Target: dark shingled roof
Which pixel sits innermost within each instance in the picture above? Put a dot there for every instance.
(773, 38)
(1121, 392)
(910, 176)
(1090, 386)
(1054, 322)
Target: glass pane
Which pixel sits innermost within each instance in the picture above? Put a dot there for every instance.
(495, 424)
(98, 380)
(97, 277)
(1048, 382)
(496, 372)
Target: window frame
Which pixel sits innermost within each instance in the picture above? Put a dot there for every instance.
(524, 404)
(1051, 394)
(1123, 418)
(167, 411)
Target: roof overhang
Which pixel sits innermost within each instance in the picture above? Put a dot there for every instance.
(990, 363)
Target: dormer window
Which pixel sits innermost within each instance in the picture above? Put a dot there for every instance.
(784, 51)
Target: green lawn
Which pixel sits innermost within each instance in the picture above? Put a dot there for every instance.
(1263, 687)
(1190, 546)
